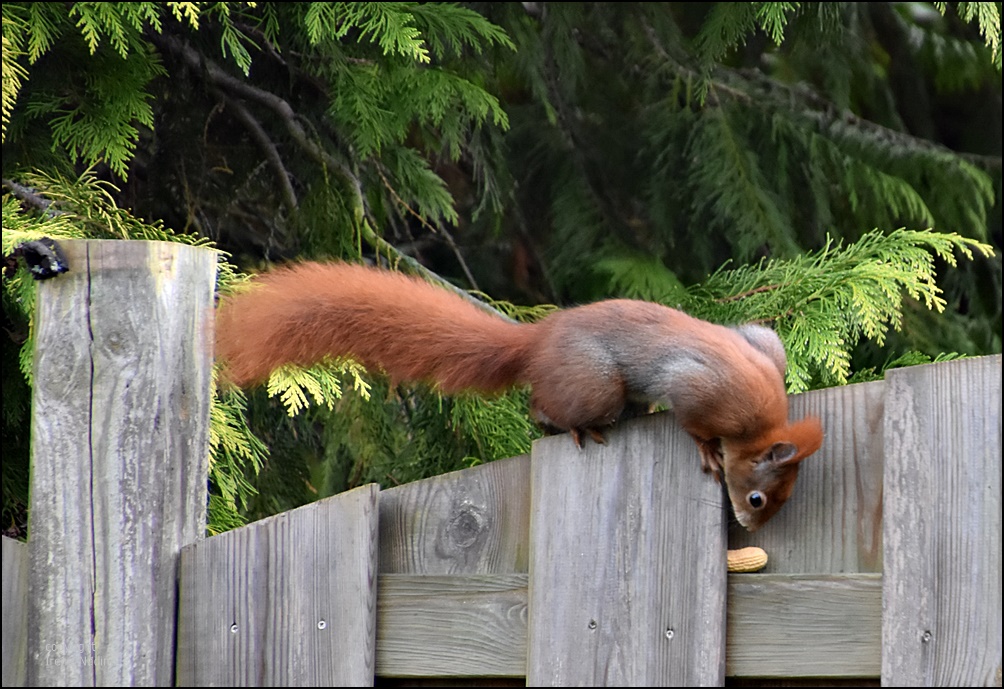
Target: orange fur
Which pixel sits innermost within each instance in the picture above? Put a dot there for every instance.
(387, 321)
(585, 365)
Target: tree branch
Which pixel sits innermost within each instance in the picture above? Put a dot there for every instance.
(234, 86)
(431, 228)
(30, 197)
(268, 148)
(747, 293)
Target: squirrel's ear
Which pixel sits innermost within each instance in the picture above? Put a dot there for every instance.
(782, 452)
(806, 436)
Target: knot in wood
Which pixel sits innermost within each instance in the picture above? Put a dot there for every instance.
(466, 526)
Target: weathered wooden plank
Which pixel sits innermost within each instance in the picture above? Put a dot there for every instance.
(470, 522)
(778, 682)
(474, 521)
(802, 625)
(627, 561)
(942, 514)
(289, 600)
(450, 626)
(779, 625)
(833, 520)
(120, 443)
(14, 646)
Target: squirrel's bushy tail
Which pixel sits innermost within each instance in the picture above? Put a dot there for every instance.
(408, 328)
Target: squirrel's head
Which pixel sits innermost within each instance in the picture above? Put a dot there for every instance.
(760, 479)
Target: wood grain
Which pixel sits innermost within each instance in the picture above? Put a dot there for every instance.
(627, 561)
(474, 521)
(804, 625)
(942, 584)
(14, 646)
(779, 625)
(450, 626)
(289, 600)
(120, 444)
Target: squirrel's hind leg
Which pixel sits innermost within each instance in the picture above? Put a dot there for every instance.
(579, 412)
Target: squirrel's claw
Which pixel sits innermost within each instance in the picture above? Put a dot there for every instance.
(711, 457)
(594, 433)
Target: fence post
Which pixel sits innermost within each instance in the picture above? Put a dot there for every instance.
(120, 438)
(627, 561)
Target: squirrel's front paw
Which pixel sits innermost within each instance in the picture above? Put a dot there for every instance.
(711, 457)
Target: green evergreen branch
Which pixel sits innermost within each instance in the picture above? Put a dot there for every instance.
(822, 303)
(321, 382)
(899, 177)
(234, 452)
(451, 28)
(43, 20)
(988, 18)
(499, 427)
(97, 118)
(185, 11)
(731, 188)
(747, 293)
(425, 223)
(13, 72)
(389, 24)
(725, 27)
(773, 16)
(431, 195)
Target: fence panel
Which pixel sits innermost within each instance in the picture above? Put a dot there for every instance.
(440, 626)
(804, 625)
(942, 584)
(288, 600)
(453, 561)
(474, 521)
(828, 537)
(627, 561)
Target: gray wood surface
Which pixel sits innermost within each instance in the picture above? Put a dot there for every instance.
(14, 647)
(833, 520)
(120, 443)
(942, 580)
(287, 601)
(472, 525)
(627, 561)
(474, 521)
(779, 625)
(452, 625)
(804, 625)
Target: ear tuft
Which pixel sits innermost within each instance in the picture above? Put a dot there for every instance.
(806, 436)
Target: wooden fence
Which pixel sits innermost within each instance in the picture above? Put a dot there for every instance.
(597, 567)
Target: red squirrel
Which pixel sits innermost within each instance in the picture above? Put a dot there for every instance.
(584, 364)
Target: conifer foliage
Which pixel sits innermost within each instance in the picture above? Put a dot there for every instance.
(820, 167)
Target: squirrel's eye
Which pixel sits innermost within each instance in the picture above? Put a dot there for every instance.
(756, 499)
